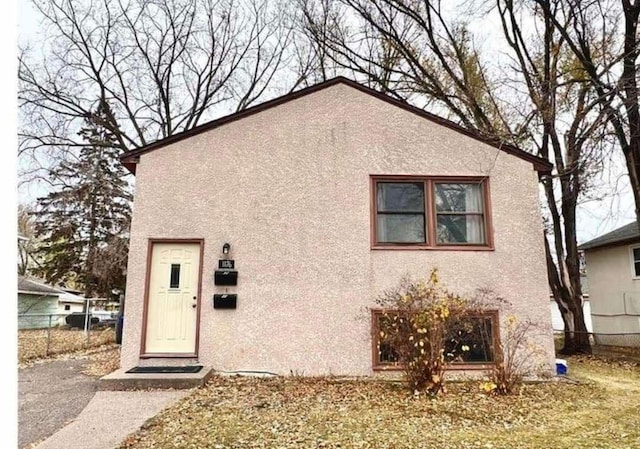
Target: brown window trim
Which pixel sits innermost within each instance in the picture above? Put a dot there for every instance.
(430, 213)
(375, 333)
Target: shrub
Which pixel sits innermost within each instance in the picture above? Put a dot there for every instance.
(516, 356)
(414, 325)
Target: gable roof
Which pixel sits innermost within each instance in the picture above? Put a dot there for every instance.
(130, 158)
(36, 287)
(626, 234)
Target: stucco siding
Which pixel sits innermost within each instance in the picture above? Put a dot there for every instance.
(289, 189)
(614, 293)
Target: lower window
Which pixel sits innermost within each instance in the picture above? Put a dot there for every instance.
(469, 342)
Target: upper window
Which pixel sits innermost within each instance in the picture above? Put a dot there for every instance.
(401, 212)
(635, 261)
(430, 212)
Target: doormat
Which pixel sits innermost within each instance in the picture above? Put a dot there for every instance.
(165, 369)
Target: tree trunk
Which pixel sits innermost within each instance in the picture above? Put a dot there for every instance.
(569, 301)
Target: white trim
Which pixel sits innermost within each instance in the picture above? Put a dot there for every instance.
(634, 275)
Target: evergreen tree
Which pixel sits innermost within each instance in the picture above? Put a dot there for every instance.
(83, 223)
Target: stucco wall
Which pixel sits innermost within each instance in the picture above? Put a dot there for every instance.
(614, 294)
(289, 189)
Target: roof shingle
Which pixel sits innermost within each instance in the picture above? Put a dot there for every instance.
(625, 234)
(26, 285)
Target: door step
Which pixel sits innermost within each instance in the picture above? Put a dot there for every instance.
(121, 380)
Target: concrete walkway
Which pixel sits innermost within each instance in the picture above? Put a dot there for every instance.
(109, 417)
(50, 394)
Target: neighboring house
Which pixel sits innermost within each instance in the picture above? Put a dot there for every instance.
(69, 302)
(325, 198)
(556, 317)
(613, 269)
(35, 297)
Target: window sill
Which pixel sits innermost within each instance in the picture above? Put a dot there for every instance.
(455, 367)
(434, 248)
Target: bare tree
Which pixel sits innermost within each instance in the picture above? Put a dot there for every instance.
(412, 51)
(26, 237)
(539, 100)
(612, 67)
(165, 66)
(567, 129)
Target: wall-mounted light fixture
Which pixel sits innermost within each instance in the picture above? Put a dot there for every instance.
(225, 248)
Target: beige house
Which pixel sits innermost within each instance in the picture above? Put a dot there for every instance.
(260, 241)
(613, 270)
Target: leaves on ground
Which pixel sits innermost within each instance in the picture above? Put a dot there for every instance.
(32, 343)
(103, 362)
(598, 411)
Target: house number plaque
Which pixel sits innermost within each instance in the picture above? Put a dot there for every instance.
(226, 264)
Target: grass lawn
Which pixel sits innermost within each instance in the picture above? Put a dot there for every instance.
(601, 411)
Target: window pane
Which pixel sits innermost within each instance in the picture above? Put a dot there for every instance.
(392, 228)
(386, 353)
(175, 276)
(458, 197)
(469, 340)
(637, 268)
(460, 229)
(636, 254)
(400, 197)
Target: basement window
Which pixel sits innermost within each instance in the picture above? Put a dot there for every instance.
(470, 342)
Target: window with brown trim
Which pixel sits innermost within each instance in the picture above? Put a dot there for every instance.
(470, 341)
(459, 213)
(430, 212)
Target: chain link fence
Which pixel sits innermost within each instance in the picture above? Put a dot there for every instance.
(42, 335)
(621, 346)
(631, 340)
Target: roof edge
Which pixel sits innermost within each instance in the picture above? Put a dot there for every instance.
(627, 241)
(130, 158)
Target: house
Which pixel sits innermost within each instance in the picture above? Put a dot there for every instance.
(259, 241)
(613, 269)
(69, 302)
(556, 316)
(39, 301)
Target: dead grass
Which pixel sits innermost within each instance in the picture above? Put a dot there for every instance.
(599, 411)
(103, 362)
(32, 343)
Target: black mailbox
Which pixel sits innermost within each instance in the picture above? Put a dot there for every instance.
(225, 301)
(226, 277)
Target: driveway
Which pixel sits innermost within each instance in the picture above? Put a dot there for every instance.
(49, 395)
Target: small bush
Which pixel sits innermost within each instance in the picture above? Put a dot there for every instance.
(516, 356)
(414, 325)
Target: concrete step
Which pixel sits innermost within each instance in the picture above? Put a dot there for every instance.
(119, 380)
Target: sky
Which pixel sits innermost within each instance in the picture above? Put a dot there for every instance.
(611, 207)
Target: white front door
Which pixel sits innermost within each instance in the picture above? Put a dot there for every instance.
(172, 304)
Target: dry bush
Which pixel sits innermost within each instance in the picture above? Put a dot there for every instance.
(424, 327)
(517, 355)
(414, 324)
